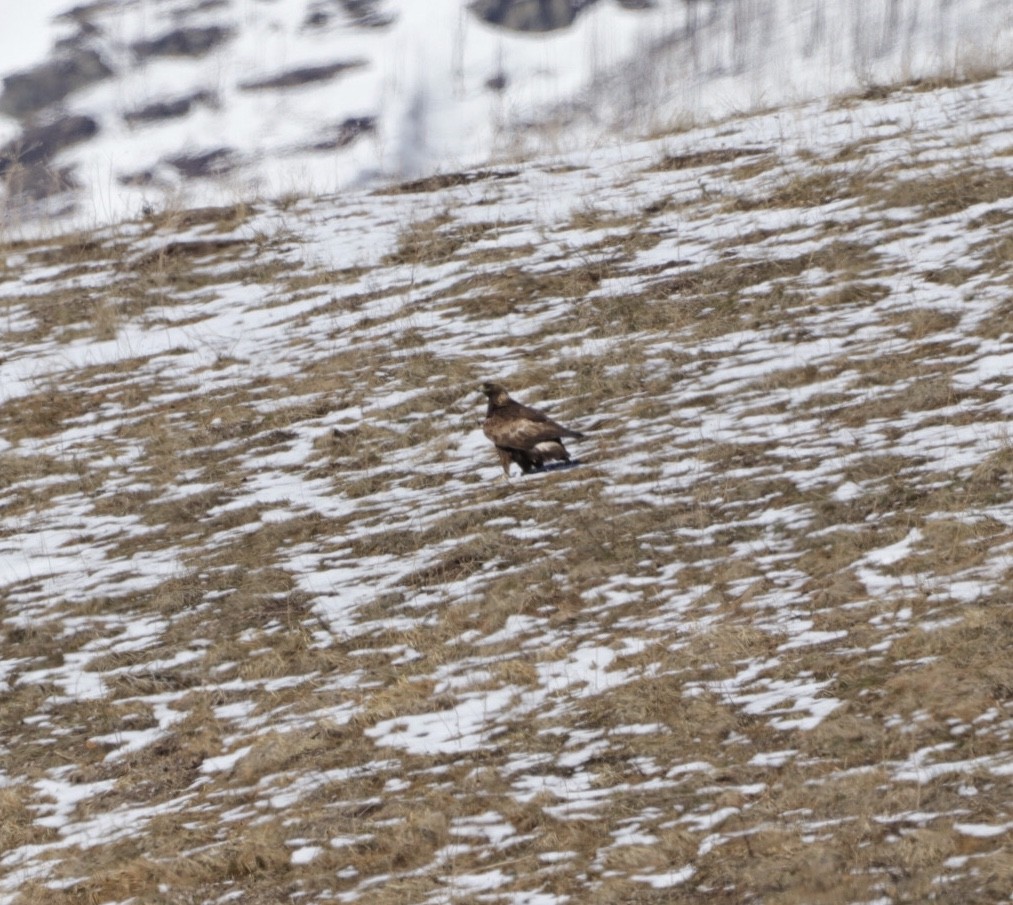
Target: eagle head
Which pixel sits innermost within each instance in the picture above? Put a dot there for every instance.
(497, 394)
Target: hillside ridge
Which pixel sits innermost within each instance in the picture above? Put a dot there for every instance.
(112, 109)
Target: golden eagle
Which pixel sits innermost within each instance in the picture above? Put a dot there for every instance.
(522, 434)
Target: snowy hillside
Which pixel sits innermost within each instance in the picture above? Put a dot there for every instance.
(112, 108)
(275, 627)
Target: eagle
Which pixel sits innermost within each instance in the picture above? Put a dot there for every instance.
(522, 434)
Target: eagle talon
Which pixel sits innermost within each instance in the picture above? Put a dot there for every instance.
(522, 434)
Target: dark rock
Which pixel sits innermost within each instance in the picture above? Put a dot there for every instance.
(37, 145)
(34, 183)
(540, 15)
(140, 179)
(75, 42)
(82, 16)
(170, 109)
(182, 42)
(84, 11)
(304, 75)
(497, 82)
(26, 162)
(204, 163)
(365, 13)
(529, 15)
(345, 133)
(34, 89)
(316, 19)
(361, 13)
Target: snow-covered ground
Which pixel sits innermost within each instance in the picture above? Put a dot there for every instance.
(614, 76)
(274, 626)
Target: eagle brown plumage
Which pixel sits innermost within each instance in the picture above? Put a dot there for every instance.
(523, 434)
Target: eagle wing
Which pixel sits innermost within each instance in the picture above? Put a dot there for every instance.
(517, 431)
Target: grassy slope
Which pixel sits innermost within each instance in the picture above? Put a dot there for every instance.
(273, 625)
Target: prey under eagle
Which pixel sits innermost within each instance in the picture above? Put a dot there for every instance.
(523, 434)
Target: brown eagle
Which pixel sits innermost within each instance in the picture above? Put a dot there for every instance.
(522, 434)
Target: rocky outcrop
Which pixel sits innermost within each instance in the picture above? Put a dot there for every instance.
(26, 163)
(38, 145)
(529, 15)
(344, 133)
(539, 15)
(170, 109)
(31, 90)
(365, 12)
(204, 164)
(182, 42)
(303, 75)
(360, 13)
(32, 184)
(208, 164)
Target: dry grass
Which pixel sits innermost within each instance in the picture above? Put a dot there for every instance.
(950, 191)
(709, 159)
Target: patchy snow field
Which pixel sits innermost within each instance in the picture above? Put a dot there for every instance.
(275, 627)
